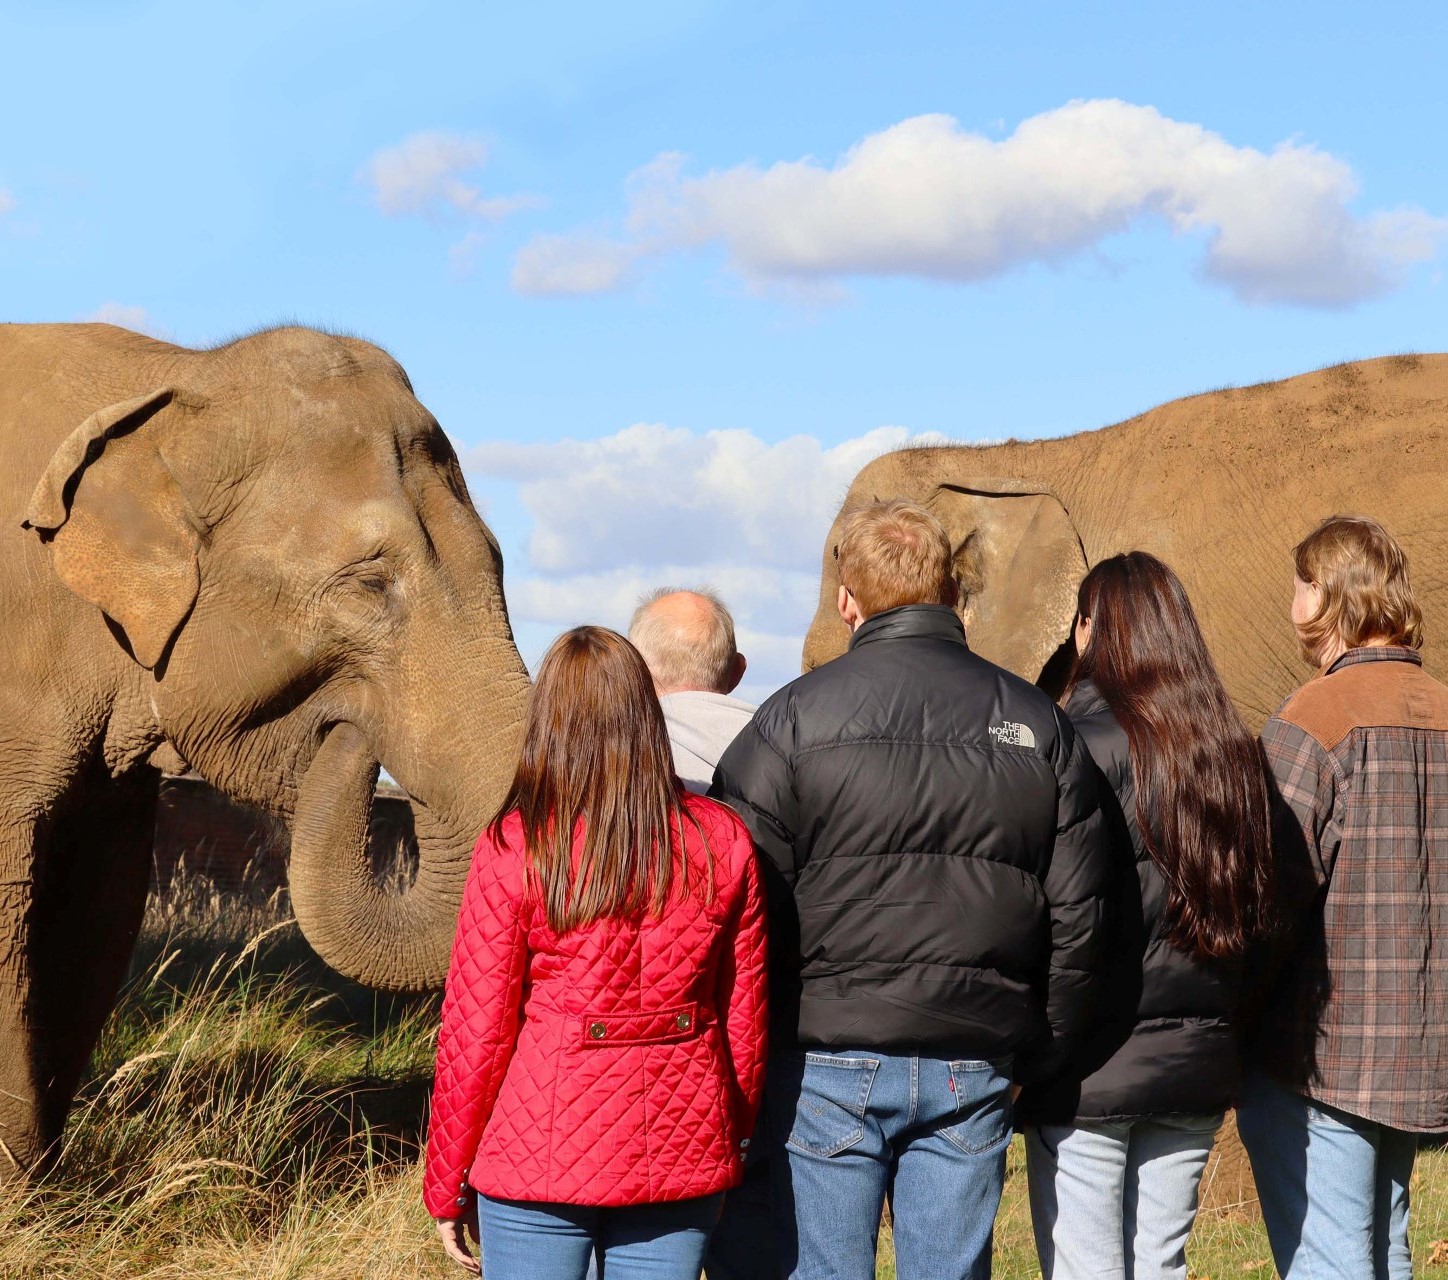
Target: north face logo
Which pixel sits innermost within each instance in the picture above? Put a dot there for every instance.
(1009, 734)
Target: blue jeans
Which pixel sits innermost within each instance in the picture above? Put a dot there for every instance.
(527, 1240)
(1333, 1186)
(1117, 1199)
(851, 1127)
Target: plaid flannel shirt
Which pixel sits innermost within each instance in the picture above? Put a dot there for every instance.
(1358, 1015)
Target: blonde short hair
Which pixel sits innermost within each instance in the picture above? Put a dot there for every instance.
(1362, 572)
(894, 553)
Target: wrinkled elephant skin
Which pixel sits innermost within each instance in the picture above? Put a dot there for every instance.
(1220, 486)
(260, 560)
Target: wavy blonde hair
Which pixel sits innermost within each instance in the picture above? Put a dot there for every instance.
(1363, 574)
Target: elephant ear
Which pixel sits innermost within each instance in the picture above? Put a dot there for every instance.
(1019, 561)
(121, 533)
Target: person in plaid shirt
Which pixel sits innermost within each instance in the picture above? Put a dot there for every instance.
(1351, 1047)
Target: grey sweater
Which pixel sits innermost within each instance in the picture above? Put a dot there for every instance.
(700, 726)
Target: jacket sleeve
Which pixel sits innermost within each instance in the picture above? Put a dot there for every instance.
(755, 778)
(1306, 828)
(1076, 887)
(742, 999)
(479, 1023)
(1306, 832)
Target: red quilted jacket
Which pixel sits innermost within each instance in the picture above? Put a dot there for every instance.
(619, 1063)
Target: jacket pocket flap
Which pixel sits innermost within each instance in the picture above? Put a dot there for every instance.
(654, 1026)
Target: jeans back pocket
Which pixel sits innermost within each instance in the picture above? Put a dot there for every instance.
(983, 1113)
(829, 1115)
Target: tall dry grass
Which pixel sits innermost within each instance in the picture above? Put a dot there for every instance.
(251, 1115)
(248, 1114)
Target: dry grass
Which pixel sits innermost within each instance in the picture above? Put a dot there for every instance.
(250, 1115)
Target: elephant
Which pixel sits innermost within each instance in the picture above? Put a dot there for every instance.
(260, 561)
(1221, 486)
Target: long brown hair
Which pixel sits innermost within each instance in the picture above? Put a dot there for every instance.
(1201, 783)
(596, 756)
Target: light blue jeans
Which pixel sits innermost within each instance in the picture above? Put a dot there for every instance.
(1116, 1201)
(851, 1127)
(1333, 1186)
(528, 1240)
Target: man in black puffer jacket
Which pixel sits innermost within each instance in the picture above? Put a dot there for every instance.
(930, 830)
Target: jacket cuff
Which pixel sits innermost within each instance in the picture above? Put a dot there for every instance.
(438, 1207)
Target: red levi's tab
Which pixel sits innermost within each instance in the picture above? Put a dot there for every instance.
(659, 1026)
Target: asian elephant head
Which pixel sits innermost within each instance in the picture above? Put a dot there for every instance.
(286, 585)
(1017, 557)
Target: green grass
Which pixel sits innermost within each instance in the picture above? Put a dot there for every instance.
(250, 1115)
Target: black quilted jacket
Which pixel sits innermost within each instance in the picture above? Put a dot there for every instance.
(932, 842)
(1164, 1040)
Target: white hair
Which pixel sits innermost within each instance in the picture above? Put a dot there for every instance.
(681, 653)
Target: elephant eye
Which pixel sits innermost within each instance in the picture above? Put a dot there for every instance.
(369, 578)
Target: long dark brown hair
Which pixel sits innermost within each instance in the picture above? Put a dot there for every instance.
(1201, 783)
(596, 757)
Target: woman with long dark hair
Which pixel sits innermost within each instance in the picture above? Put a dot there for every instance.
(602, 1047)
(1117, 1143)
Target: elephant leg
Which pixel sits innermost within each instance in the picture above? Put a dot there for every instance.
(21, 1138)
(90, 899)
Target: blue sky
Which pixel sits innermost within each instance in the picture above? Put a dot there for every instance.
(1243, 192)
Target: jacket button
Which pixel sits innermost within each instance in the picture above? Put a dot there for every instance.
(682, 1021)
(597, 1030)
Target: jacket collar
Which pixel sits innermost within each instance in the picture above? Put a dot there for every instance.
(1085, 700)
(911, 622)
(1376, 653)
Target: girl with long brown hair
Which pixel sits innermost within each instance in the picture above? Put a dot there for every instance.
(1117, 1143)
(601, 1055)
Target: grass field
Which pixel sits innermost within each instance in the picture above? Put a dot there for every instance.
(250, 1115)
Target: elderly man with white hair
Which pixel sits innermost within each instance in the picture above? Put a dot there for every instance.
(687, 639)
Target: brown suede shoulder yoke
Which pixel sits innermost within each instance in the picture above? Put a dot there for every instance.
(1368, 695)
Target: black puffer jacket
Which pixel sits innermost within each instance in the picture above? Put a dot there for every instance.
(932, 839)
(1164, 1041)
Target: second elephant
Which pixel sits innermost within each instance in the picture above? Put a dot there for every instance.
(1220, 486)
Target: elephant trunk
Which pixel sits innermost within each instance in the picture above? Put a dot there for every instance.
(386, 940)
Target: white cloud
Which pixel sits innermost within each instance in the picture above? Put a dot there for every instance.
(8, 203)
(128, 317)
(576, 264)
(652, 506)
(428, 174)
(931, 199)
(718, 498)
